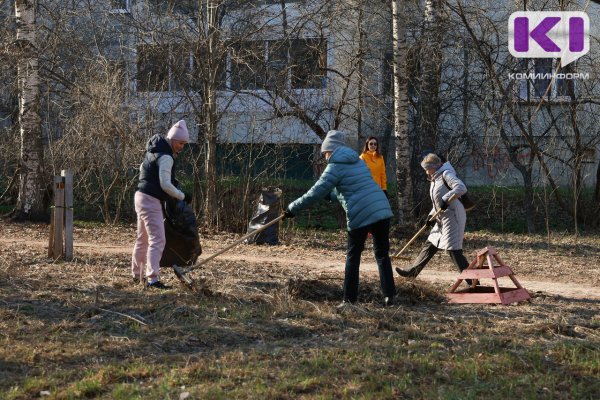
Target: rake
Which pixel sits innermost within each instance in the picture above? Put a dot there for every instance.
(181, 272)
(433, 217)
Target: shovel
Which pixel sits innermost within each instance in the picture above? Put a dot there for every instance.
(181, 272)
(412, 239)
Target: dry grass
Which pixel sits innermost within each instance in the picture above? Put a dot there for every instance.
(272, 330)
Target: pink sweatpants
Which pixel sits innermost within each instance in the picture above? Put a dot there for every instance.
(150, 241)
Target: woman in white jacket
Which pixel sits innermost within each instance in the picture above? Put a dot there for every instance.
(448, 229)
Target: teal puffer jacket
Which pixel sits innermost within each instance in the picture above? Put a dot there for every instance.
(351, 181)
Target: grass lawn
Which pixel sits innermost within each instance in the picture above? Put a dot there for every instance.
(82, 330)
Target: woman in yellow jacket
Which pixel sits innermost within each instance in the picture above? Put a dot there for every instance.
(374, 160)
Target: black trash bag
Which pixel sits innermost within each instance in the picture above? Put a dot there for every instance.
(266, 211)
(181, 231)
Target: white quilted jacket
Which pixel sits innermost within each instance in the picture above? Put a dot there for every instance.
(449, 232)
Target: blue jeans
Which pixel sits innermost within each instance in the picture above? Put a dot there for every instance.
(380, 231)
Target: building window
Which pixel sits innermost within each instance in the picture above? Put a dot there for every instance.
(534, 81)
(308, 62)
(253, 65)
(565, 88)
(268, 64)
(589, 155)
(277, 61)
(279, 1)
(247, 65)
(182, 7)
(202, 65)
(541, 86)
(152, 70)
(186, 7)
(237, 4)
(120, 6)
(164, 68)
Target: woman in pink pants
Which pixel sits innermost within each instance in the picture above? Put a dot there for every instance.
(156, 185)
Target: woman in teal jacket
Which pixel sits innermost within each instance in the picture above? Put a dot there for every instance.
(348, 180)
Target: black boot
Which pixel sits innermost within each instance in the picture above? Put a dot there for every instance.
(404, 273)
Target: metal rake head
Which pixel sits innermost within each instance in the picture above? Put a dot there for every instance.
(181, 274)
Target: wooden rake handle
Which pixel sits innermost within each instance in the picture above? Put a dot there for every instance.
(240, 240)
(412, 239)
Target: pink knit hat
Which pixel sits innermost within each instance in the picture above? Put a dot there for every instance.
(179, 131)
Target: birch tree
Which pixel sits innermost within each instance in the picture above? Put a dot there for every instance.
(429, 60)
(210, 34)
(29, 203)
(430, 76)
(404, 187)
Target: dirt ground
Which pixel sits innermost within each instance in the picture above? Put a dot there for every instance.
(262, 322)
(567, 267)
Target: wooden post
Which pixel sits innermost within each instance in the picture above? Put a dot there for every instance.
(51, 233)
(59, 201)
(68, 179)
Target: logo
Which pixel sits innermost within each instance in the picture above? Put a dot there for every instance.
(549, 34)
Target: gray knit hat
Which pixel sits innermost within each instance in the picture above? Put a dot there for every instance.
(333, 140)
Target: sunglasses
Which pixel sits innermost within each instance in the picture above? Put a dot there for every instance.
(372, 143)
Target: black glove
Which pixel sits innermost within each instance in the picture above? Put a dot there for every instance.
(386, 195)
(430, 222)
(288, 214)
(188, 198)
(444, 205)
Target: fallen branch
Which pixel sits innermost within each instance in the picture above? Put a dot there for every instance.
(121, 314)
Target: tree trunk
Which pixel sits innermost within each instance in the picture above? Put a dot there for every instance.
(431, 62)
(211, 205)
(527, 173)
(428, 106)
(597, 196)
(403, 181)
(528, 201)
(209, 111)
(597, 188)
(29, 202)
(361, 80)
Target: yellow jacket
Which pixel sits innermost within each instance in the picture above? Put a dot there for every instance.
(377, 166)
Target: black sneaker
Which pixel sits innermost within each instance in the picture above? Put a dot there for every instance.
(388, 301)
(158, 285)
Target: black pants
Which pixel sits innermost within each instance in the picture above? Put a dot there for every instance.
(380, 231)
(428, 251)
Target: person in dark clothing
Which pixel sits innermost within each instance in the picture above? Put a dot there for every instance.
(348, 180)
(157, 184)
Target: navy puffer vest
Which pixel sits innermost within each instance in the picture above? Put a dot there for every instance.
(149, 179)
